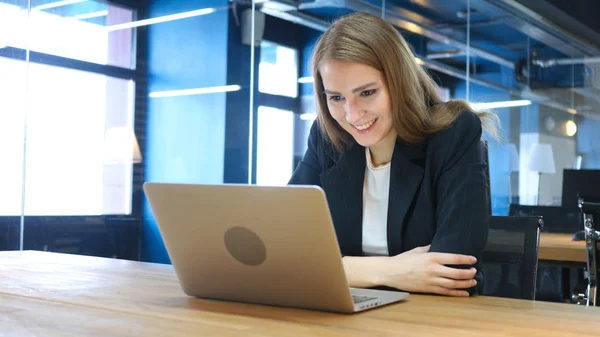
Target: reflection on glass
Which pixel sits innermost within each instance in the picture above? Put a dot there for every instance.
(72, 29)
(275, 146)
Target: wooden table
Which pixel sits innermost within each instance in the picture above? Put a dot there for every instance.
(561, 247)
(67, 295)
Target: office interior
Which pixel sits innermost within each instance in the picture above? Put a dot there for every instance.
(98, 97)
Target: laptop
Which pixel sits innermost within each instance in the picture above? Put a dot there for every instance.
(257, 244)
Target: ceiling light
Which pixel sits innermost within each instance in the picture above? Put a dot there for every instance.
(501, 104)
(57, 4)
(91, 15)
(570, 128)
(195, 91)
(160, 19)
(306, 79)
(308, 116)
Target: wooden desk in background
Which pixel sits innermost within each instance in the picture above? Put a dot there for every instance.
(559, 247)
(68, 295)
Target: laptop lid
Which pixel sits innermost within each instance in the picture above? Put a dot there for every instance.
(248, 243)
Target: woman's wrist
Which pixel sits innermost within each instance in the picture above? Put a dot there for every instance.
(366, 272)
(380, 269)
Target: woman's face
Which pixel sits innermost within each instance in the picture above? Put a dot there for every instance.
(358, 99)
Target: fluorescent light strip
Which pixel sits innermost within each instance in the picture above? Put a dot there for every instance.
(160, 19)
(57, 4)
(196, 91)
(501, 104)
(306, 79)
(308, 116)
(91, 15)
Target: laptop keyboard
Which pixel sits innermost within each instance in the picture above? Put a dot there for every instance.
(360, 299)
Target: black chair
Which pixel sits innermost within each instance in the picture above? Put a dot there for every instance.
(591, 218)
(557, 219)
(510, 258)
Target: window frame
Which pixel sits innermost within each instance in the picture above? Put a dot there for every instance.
(280, 102)
(136, 74)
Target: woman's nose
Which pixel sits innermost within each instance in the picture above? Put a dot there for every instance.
(353, 112)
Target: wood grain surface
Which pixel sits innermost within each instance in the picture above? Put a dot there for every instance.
(53, 294)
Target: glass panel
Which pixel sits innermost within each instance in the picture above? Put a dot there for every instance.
(534, 101)
(542, 135)
(193, 116)
(275, 146)
(12, 129)
(198, 120)
(85, 30)
(492, 86)
(71, 167)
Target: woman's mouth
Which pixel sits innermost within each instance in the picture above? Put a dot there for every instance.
(366, 127)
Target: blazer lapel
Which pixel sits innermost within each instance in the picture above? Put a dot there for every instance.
(343, 184)
(405, 178)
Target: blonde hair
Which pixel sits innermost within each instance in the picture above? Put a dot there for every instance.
(416, 108)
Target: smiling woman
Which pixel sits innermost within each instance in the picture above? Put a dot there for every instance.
(403, 171)
(363, 111)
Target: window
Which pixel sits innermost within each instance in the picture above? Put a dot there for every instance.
(278, 86)
(275, 146)
(278, 69)
(68, 116)
(67, 119)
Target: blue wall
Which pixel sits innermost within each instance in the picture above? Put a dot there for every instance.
(238, 106)
(309, 38)
(185, 135)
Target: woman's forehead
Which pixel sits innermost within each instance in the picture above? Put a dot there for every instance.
(340, 74)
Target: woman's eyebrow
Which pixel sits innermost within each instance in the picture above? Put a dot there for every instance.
(355, 90)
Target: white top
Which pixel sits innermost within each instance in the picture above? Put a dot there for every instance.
(375, 207)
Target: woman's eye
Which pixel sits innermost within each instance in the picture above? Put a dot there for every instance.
(335, 98)
(368, 92)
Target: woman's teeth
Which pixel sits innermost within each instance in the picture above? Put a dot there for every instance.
(366, 125)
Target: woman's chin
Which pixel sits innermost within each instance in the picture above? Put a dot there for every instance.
(366, 140)
(370, 139)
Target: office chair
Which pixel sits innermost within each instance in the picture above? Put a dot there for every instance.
(557, 219)
(591, 219)
(510, 258)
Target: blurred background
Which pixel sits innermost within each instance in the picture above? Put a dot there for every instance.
(97, 97)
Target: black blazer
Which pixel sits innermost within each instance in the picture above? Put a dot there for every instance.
(438, 191)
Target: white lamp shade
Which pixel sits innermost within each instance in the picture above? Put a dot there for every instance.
(541, 158)
(121, 146)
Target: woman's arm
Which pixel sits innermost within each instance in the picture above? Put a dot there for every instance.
(449, 265)
(462, 210)
(417, 270)
(365, 271)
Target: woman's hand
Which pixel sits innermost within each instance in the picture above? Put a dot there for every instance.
(418, 270)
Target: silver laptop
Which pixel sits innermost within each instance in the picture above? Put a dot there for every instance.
(257, 244)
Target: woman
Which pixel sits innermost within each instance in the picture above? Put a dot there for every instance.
(403, 172)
